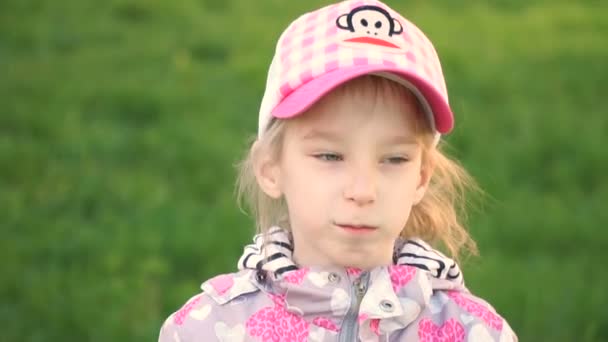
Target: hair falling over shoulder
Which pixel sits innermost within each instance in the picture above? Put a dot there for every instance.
(440, 217)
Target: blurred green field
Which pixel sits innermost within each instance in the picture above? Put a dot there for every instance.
(121, 120)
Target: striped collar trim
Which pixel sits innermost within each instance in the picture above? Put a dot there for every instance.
(273, 252)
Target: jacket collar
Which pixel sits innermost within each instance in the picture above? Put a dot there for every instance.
(272, 253)
(395, 295)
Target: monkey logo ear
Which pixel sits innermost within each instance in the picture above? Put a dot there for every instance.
(344, 23)
(397, 28)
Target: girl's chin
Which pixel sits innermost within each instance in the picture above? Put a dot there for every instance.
(345, 254)
(362, 262)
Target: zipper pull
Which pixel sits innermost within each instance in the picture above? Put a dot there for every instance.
(360, 288)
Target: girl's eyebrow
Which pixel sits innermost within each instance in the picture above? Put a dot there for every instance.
(400, 140)
(394, 140)
(315, 134)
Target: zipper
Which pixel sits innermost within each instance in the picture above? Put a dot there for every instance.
(350, 325)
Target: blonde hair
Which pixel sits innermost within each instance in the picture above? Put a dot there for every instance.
(438, 218)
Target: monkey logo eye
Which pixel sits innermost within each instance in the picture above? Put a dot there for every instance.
(370, 25)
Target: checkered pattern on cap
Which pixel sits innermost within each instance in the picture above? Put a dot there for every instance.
(318, 44)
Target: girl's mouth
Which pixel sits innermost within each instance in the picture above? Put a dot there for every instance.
(356, 229)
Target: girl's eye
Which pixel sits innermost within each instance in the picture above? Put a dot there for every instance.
(396, 160)
(329, 157)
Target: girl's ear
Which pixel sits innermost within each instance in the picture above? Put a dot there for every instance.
(267, 171)
(426, 172)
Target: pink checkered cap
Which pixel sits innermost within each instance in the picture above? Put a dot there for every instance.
(325, 48)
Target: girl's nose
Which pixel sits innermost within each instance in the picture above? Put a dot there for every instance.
(361, 189)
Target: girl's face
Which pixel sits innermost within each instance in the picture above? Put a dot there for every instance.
(350, 171)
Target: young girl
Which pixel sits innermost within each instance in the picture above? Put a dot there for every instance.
(349, 189)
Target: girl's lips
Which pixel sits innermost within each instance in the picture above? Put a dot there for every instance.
(357, 229)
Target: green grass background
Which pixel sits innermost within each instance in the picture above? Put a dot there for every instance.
(121, 120)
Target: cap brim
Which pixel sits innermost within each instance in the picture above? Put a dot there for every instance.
(309, 93)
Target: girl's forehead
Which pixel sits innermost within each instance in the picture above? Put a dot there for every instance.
(348, 120)
(362, 102)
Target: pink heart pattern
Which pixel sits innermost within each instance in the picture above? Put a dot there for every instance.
(450, 331)
(324, 322)
(489, 317)
(401, 275)
(354, 271)
(222, 283)
(277, 324)
(362, 317)
(180, 316)
(374, 325)
(296, 277)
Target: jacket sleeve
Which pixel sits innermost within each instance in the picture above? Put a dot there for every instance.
(195, 321)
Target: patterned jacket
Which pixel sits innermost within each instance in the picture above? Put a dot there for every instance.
(421, 297)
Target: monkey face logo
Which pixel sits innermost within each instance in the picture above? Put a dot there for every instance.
(370, 25)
